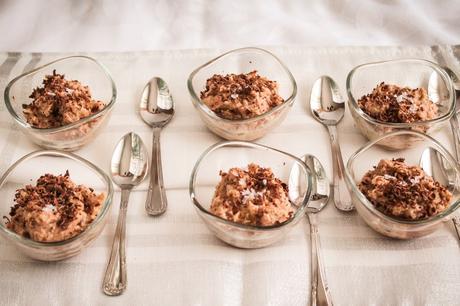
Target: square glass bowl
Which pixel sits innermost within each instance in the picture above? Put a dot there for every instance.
(71, 136)
(26, 171)
(369, 155)
(238, 61)
(226, 155)
(414, 73)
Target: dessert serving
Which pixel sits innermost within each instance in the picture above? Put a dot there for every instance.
(403, 191)
(252, 197)
(417, 95)
(60, 102)
(55, 209)
(243, 93)
(392, 103)
(63, 104)
(249, 206)
(240, 96)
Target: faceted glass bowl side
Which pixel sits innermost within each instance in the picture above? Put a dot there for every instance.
(75, 135)
(225, 155)
(414, 73)
(26, 171)
(238, 61)
(368, 156)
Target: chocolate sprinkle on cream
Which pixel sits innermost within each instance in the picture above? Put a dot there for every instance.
(391, 103)
(404, 191)
(240, 96)
(253, 197)
(54, 209)
(60, 102)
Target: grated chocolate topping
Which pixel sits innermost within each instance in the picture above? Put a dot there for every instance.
(391, 103)
(54, 209)
(240, 96)
(253, 196)
(404, 191)
(60, 102)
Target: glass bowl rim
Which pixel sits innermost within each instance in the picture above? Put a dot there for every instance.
(197, 101)
(371, 208)
(56, 153)
(246, 144)
(449, 84)
(23, 123)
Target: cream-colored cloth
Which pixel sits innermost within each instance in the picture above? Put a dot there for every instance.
(124, 25)
(175, 260)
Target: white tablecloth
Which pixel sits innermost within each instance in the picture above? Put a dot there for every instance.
(124, 25)
(175, 260)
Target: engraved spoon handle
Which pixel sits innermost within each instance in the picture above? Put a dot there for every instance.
(156, 202)
(320, 294)
(115, 279)
(314, 259)
(456, 135)
(342, 198)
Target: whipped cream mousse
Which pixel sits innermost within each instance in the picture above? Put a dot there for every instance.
(252, 196)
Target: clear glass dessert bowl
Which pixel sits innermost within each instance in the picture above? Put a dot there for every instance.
(72, 136)
(369, 156)
(229, 154)
(413, 73)
(239, 61)
(26, 171)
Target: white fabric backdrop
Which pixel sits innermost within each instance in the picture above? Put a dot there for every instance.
(69, 26)
(175, 260)
(124, 25)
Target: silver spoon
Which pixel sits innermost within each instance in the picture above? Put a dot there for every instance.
(431, 154)
(320, 294)
(156, 109)
(433, 164)
(436, 92)
(454, 120)
(129, 167)
(328, 107)
(454, 78)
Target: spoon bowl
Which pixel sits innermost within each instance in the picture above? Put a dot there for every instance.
(320, 185)
(156, 109)
(129, 164)
(157, 105)
(453, 76)
(129, 167)
(326, 103)
(435, 165)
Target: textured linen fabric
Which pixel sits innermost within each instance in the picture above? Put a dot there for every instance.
(124, 25)
(175, 260)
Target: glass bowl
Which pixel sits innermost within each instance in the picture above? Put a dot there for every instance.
(238, 61)
(26, 171)
(71, 136)
(414, 73)
(228, 154)
(369, 155)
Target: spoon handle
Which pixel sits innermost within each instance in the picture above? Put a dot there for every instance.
(115, 279)
(156, 202)
(320, 294)
(456, 133)
(342, 199)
